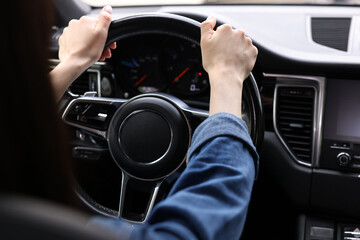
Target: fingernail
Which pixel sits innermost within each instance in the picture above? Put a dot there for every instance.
(210, 17)
(108, 9)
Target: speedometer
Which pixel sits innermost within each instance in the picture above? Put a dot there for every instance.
(140, 71)
(184, 67)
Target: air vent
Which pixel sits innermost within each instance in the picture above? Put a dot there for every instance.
(331, 32)
(294, 120)
(88, 81)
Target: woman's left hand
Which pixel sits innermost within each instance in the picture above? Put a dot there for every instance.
(81, 45)
(84, 39)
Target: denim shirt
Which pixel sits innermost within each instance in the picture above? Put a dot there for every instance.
(211, 197)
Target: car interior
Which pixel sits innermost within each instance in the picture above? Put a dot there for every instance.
(299, 103)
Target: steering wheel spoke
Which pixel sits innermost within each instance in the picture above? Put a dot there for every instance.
(137, 198)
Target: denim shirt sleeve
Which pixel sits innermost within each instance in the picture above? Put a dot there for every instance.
(211, 197)
(224, 124)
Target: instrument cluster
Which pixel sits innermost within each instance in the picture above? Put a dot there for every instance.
(159, 63)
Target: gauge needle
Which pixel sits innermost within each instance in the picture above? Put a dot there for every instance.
(180, 75)
(140, 80)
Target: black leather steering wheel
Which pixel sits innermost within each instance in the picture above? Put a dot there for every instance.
(159, 123)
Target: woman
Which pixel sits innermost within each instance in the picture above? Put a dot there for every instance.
(35, 159)
(210, 199)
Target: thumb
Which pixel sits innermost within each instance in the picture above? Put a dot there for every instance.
(207, 27)
(104, 18)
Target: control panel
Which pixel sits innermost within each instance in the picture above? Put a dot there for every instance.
(340, 155)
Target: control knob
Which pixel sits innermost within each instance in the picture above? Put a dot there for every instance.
(343, 159)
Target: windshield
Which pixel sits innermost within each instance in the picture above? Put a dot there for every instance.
(99, 3)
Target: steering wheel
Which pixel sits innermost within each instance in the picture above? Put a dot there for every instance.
(149, 135)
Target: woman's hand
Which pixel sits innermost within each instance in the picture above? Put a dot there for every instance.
(84, 39)
(81, 45)
(228, 56)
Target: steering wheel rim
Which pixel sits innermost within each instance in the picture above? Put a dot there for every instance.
(176, 26)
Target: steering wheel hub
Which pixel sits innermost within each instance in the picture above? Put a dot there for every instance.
(148, 137)
(145, 136)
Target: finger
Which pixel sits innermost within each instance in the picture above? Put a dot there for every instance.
(249, 40)
(72, 22)
(256, 51)
(207, 27)
(226, 28)
(241, 33)
(112, 46)
(105, 54)
(104, 18)
(62, 35)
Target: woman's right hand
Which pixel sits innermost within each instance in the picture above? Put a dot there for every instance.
(226, 49)
(228, 56)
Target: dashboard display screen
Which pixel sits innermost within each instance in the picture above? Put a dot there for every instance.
(342, 113)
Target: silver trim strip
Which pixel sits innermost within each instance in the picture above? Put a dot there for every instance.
(318, 83)
(91, 130)
(56, 61)
(353, 233)
(125, 178)
(341, 148)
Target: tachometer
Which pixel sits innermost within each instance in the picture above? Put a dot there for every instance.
(184, 67)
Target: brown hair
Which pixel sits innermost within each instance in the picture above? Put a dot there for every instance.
(35, 159)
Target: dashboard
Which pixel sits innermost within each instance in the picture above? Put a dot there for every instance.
(309, 82)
